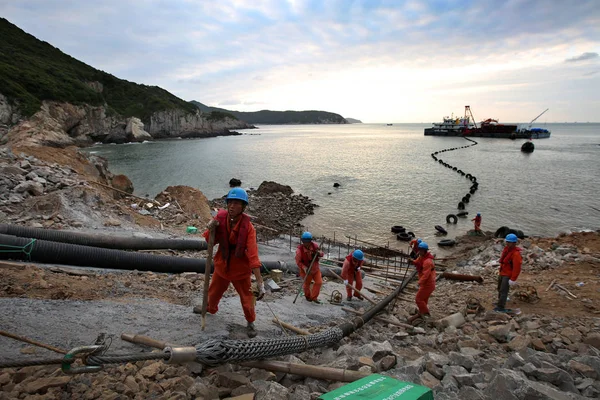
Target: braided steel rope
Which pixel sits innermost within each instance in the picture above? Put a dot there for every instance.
(214, 352)
(126, 358)
(30, 363)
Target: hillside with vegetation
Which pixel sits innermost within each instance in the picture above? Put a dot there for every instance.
(279, 117)
(32, 71)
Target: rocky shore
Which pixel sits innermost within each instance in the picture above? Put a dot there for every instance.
(549, 351)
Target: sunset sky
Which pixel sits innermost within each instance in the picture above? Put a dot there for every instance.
(377, 61)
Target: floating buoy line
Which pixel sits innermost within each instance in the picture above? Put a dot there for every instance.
(453, 218)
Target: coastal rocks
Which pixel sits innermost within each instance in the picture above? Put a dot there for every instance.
(234, 182)
(269, 187)
(63, 124)
(8, 112)
(123, 183)
(179, 123)
(193, 204)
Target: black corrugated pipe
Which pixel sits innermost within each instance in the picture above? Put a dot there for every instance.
(43, 251)
(106, 241)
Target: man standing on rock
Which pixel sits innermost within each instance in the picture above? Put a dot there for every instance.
(236, 258)
(351, 272)
(307, 260)
(510, 268)
(477, 223)
(426, 272)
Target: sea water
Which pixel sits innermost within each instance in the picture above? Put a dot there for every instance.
(387, 176)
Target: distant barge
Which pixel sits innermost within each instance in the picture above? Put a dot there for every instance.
(489, 128)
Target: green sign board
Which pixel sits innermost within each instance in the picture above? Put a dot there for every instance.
(379, 387)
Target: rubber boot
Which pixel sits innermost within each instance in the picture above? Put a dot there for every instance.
(250, 330)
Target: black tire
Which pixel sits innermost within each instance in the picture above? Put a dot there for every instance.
(454, 169)
(403, 236)
(462, 214)
(398, 229)
(441, 230)
(502, 232)
(465, 200)
(446, 242)
(461, 206)
(472, 191)
(468, 195)
(411, 233)
(468, 176)
(520, 234)
(451, 217)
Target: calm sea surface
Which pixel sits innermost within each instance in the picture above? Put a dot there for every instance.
(387, 176)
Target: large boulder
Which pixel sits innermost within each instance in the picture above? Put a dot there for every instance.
(269, 187)
(135, 130)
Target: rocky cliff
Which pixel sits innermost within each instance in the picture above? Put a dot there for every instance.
(63, 124)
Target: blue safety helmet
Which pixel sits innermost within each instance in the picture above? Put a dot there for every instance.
(423, 245)
(237, 193)
(511, 238)
(419, 240)
(358, 254)
(479, 214)
(306, 237)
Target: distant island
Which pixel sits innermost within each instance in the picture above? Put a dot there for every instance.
(353, 121)
(278, 117)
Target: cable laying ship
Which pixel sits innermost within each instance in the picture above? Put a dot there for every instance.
(491, 128)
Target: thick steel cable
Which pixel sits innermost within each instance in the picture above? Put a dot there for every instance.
(213, 352)
(126, 358)
(30, 363)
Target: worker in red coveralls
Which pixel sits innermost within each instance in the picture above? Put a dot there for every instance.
(426, 272)
(477, 222)
(414, 248)
(510, 268)
(351, 273)
(237, 257)
(305, 253)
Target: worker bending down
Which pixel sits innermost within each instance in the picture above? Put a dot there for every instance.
(426, 273)
(307, 260)
(351, 273)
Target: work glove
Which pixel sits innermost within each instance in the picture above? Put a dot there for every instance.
(346, 282)
(511, 282)
(261, 291)
(358, 268)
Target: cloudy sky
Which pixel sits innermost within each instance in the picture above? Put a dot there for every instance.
(378, 61)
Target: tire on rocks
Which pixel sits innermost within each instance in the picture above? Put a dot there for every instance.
(502, 232)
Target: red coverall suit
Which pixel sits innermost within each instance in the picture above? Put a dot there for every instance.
(426, 271)
(303, 259)
(234, 261)
(510, 268)
(477, 222)
(351, 272)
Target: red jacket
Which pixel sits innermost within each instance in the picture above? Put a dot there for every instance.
(510, 262)
(425, 269)
(238, 251)
(304, 257)
(349, 268)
